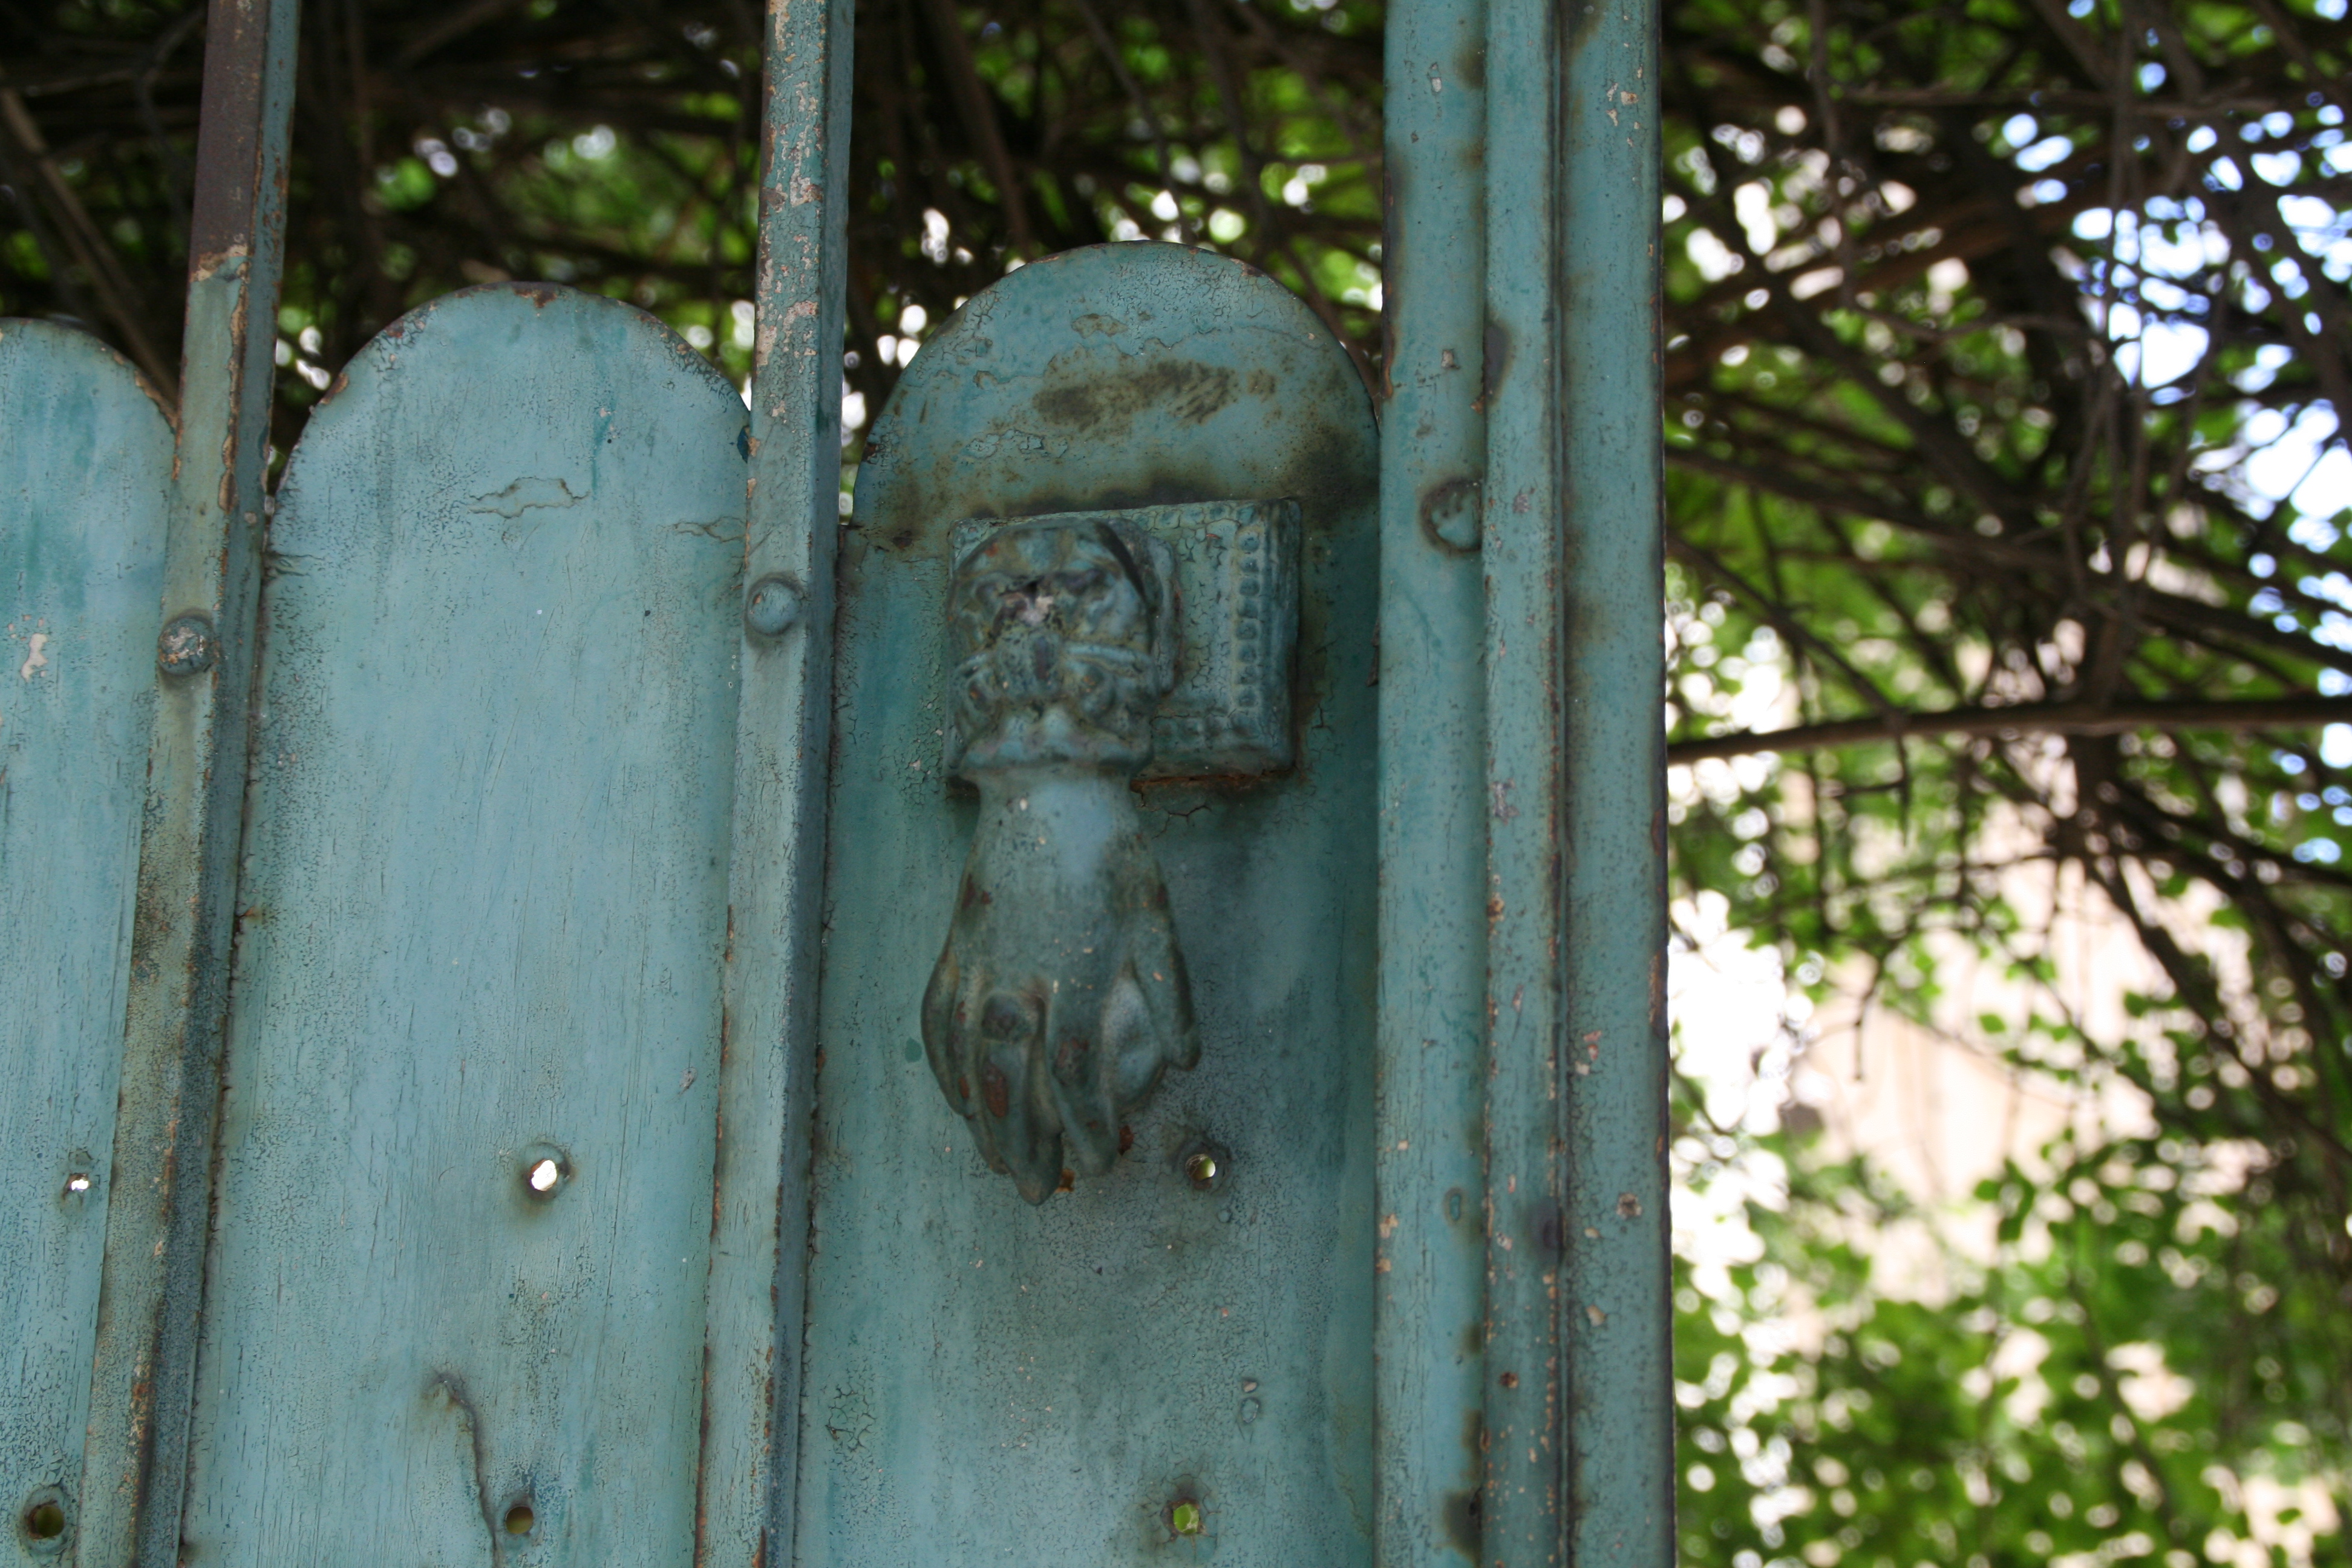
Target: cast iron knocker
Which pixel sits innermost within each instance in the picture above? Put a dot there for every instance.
(1060, 997)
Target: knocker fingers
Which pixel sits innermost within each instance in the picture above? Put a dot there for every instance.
(1166, 991)
(996, 1041)
(1081, 1089)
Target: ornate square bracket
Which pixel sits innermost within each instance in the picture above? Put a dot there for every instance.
(1236, 578)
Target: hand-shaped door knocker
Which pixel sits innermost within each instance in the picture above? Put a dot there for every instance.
(1060, 997)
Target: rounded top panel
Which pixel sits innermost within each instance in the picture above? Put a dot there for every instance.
(1119, 375)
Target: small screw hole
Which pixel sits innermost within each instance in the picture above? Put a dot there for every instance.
(545, 1170)
(1186, 1518)
(520, 1519)
(45, 1520)
(77, 1183)
(1202, 1168)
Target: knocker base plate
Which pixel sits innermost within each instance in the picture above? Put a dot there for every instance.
(1237, 597)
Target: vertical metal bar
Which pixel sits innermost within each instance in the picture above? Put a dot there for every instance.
(151, 1291)
(761, 1211)
(1431, 1284)
(1578, 1405)
(1524, 497)
(1616, 1279)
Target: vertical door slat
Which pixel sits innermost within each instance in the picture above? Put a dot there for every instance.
(481, 939)
(85, 470)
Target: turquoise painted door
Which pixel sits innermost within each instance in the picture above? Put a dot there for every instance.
(568, 1005)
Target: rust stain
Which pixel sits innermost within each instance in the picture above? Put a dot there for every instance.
(229, 138)
(237, 329)
(1188, 390)
(450, 1387)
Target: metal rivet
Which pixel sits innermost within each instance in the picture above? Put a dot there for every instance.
(187, 646)
(773, 606)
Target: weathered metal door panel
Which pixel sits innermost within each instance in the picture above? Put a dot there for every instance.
(500, 1251)
(85, 469)
(455, 1309)
(984, 1377)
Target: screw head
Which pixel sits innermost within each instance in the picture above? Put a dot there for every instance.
(187, 646)
(773, 606)
(1205, 1163)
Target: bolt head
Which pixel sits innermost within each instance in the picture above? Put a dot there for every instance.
(773, 606)
(187, 646)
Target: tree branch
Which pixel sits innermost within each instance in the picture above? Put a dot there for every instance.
(2026, 719)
